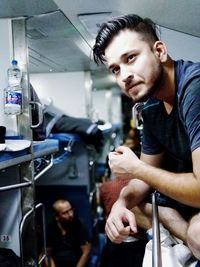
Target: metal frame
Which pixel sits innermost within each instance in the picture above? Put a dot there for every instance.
(45, 169)
(26, 216)
(15, 186)
(156, 249)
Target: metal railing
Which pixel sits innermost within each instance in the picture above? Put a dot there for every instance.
(156, 248)
(26, 216)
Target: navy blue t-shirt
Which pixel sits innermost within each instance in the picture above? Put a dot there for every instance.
(178, 133)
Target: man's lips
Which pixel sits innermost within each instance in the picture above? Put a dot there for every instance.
(132, 86)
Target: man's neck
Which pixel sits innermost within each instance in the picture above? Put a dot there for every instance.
(60, 226)
(167, 89)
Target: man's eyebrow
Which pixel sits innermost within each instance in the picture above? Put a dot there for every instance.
(134, 51)
(122, 57)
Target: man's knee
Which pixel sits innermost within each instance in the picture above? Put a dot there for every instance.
(193, 236)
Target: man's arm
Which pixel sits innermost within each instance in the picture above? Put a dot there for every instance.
(49, 260)
(137, 190)
(130, 196)
(183, 187)
(85, 255)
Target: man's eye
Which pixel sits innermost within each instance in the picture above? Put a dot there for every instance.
(130, 58)
(115, 70)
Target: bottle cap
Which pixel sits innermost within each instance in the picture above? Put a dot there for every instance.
(14, 62)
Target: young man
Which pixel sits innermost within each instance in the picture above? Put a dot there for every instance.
(67, 239)
(132, 51)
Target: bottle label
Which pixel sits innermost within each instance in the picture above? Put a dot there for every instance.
(13, 102)
(13, 98)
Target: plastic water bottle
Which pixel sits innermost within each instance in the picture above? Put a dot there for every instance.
(14, 74)
(13, 93)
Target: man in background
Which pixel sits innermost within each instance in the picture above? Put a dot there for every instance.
(68, 241)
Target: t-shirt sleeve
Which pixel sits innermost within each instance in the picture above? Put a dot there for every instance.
(191, 112)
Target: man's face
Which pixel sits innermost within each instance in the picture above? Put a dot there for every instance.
(65, 213)
(136, 65)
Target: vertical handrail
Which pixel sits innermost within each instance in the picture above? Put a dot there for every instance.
(156, 250)
(40, 205)
(136, 115)
(21, 232)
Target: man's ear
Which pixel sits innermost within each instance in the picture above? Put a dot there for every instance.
(160, 50)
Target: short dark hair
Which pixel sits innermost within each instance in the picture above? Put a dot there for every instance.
(146, 27)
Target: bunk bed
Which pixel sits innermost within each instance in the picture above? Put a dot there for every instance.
(17, 184)
(18, 151)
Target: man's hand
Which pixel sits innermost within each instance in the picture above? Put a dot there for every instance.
(123, 161)
(120, 223)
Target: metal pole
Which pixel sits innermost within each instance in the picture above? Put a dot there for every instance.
(156, 252)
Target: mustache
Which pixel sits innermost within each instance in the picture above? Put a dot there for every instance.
(131, 84)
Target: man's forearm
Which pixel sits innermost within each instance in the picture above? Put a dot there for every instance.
(86, 250)
(83, 260)
(132, 194)
(183, 187)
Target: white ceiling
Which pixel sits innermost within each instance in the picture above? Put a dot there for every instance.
(180, 15)
(58, 41)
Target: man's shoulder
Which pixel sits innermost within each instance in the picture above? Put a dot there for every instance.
(78, 224)
(187, 77)
(186, 71)
(186, 65)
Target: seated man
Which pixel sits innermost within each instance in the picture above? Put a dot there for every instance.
(67, 239)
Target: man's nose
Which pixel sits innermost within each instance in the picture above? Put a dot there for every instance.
(126, 74)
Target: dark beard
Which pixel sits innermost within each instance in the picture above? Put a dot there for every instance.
(66, 224)
(144, 98)
(154, 88)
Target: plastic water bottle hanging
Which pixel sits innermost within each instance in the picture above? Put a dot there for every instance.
(13, 93)
(14, 74)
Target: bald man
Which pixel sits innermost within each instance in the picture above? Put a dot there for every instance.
(68, 241)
